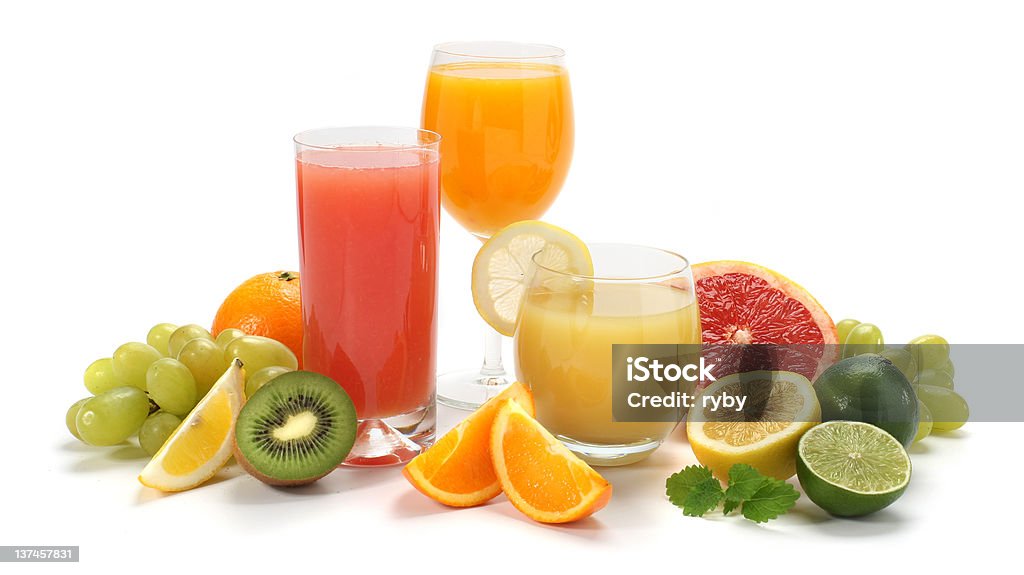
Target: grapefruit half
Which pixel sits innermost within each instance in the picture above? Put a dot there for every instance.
(744, 303)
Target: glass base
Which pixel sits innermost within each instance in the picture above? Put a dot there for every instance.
(469, 388)
(394, 440)
(610, 455)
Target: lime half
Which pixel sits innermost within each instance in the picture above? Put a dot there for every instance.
(849, 468)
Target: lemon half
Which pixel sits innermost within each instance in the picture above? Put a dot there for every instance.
(780, 407)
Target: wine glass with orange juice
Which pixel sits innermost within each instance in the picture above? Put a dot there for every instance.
(504, 112)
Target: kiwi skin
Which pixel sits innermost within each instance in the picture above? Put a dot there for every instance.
(240, 458)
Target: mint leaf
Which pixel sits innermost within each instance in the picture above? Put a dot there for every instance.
(694, 489)
(772, 499)
(729, 506)
(703, 498)
(744, 481)
(679, 485)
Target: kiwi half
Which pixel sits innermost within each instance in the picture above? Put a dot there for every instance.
(296, 429)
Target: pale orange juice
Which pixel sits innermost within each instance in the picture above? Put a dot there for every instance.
(507, 139)
(564, 351)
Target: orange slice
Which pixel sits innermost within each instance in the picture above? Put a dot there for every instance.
(540, 476)
(457, 470)
(202, 443)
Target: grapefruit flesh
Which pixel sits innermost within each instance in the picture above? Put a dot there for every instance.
(744, 303)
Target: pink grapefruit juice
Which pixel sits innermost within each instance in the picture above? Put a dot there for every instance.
(368, 243)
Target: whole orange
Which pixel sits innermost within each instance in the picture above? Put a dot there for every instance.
(268, 305)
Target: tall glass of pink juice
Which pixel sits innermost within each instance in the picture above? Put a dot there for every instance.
(368, 242)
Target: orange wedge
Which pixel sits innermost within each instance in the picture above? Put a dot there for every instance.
(539, 475)
(457, 470)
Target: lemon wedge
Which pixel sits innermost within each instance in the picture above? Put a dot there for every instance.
(503, 267)
(202, 443)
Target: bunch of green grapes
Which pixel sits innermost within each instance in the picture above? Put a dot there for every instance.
(925, 362)
(147, 389)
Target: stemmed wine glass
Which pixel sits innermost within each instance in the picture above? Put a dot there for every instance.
(504, 112)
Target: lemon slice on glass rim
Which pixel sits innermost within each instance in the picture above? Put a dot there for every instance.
(503, 268)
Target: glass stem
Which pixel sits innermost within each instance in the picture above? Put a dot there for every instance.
(492, 353)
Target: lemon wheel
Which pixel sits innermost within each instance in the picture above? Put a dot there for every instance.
(502, 268)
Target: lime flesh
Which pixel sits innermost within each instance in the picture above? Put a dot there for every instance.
(850, 468)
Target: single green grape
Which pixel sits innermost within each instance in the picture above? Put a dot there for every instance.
(131, 361)
(171, 386)
(948, 368)
(260, 378)
(99, 376)
(844, 327)
(159, 335)
(257, 352)
(112, 416)
(930, 351)
(227, 336)
(864, 338)
(903, 360)
(949, 410)
(72, 414)
(205, 359)
(183, 335)
(156, 429)
(934, 377)
(924, 423)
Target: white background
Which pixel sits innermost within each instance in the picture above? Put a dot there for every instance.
(869, 150)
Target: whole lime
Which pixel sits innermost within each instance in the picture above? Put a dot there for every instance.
(870, 389)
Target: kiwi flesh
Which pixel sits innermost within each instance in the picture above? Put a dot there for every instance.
(295, 429)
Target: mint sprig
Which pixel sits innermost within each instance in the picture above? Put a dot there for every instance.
(760, 498)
